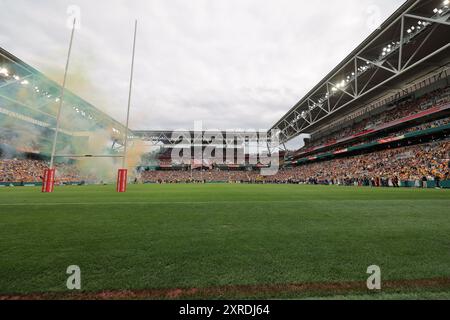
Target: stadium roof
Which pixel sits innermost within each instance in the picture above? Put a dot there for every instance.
(410, 43)
(168, 137)
(29, 94)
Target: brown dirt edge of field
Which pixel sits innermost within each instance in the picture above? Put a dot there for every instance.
(270, 290)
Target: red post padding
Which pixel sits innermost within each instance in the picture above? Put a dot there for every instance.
(122, 180)
(48, 182)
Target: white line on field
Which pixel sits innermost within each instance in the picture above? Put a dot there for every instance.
(149, 202)
(202, 202)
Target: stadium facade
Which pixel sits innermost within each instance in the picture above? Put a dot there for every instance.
(410, 47)
(28, 110)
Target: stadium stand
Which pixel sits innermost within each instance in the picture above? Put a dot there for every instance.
(402, 113)
(23, 171)
(198, 176)
(413, 137)
(406, 166)
(412, 134)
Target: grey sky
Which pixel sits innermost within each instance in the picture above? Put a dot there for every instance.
(230, 63)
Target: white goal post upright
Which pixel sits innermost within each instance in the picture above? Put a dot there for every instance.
(49, 174)
(122, 173)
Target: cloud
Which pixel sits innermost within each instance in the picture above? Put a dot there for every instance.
(229, 63)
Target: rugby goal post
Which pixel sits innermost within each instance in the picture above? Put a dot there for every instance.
(48, 181)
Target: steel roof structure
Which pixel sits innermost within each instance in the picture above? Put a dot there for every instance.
(171, 138)
(411, 43)
(29, 95)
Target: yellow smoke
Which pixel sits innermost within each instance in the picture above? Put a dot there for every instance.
(96, 142)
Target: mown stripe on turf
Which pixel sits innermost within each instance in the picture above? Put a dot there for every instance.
(207, 202)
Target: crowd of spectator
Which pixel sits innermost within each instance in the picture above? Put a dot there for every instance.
(426, 126)
(425, 162)
(421, 127)
(388, 167)
(30, 171)
(199, 176)
(399, 111)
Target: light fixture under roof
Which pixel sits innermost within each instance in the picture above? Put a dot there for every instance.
(4, 71)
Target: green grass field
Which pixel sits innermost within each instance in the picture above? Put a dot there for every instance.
(227, 241)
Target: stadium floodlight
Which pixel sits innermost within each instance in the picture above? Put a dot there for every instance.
(24, 82)
(435, 10)
(4, 71)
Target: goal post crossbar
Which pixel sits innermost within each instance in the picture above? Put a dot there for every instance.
(87, 156)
